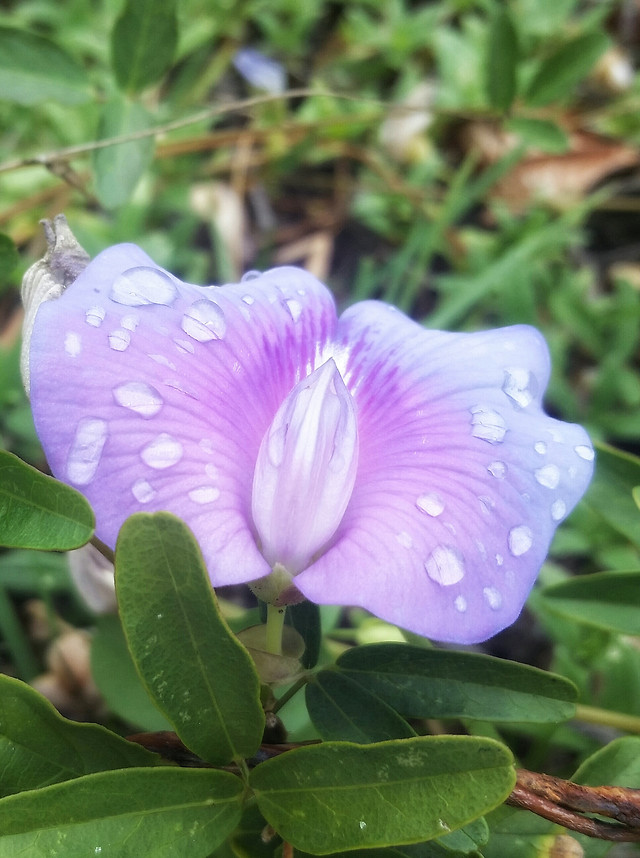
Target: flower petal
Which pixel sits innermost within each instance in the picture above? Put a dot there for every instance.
(462, 478)
(151, 394)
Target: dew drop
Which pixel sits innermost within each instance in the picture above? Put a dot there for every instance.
(163, 361)
(139, 286)
(548, 476)
(487, 504)
(139, 397)
(204, 494)
(497, 470)
(362, 824)
(460, 604)
(404, 539)
(95, 316)
(130, 323)
(294, 307)
(163, 452)
(445, 565)
(184, 346)
(499, 559)
(248, 299)
(487, 424)
(558, 509)
(250, 275)
(72, 344)
(204, 321)
(493, 598)
(86, 450)
(142, 491)
(520, 540)
(211, 471)
(206, 444)
(540, 447)
(585, 452)
(430, 503)
(519, 385)
(119, 340)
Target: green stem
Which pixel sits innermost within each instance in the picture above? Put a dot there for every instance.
(275, 624)
(289, 693)
(606, 718)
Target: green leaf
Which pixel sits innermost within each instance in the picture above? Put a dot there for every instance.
(34, 70)
(143, 42)
(119, 167)
(502, 60)
(539, 133)
(37, 511)
(566, 67)
(434, 683)
(114, 673)
(337, 795)
(39, 747)
(617, 764)
(34, 572)
(607, 600)
(341, 709)
(305, 619)
(158, 813)
(199, 674)
(8, 258)
(611, 491)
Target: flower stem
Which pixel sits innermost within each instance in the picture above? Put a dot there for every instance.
(289, 693)
(606, 718)
(275, 624)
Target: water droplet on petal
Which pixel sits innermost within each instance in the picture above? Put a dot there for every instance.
(487, 504)
(294, 307)
(206, 444)
(540, 447)
(163, 361)
(445, 565)
(163, 452)
(404, 539)
(72, 344)
(86, 450)
(519, 385)
(130, 323)
(139, 286)
(250, 275)
(499, 559)
(139, 397)
(558, 509)
(548, 476)
(184, 346)
(460, 604)
(95, 316)
(585, 452)
(430, 503)
(248, 299)
(204, 494)
(493, 598)
(520, 540)
(142, 491)
(497, 470)
(487, 424)
(211, 471)
(119, 340)
(204, 321)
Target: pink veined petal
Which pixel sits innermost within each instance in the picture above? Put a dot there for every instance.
(305, 470)
(151, 394)
(462, 478)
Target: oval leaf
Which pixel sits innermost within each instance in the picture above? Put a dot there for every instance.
(502, 60)
(118, 168)
(198, 673)
(34, 70)
(566, 67)
(143, 42)
(338, 795)
(158, 813)
(617, 764)
(435, 683)
(610, 494)
(341, 709)
(37, 511)
(39, 747)
(607, 600)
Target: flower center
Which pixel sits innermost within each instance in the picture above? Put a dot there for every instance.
(305, 470)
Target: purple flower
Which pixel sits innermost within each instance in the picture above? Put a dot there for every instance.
(365, 459)
(260, 71)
